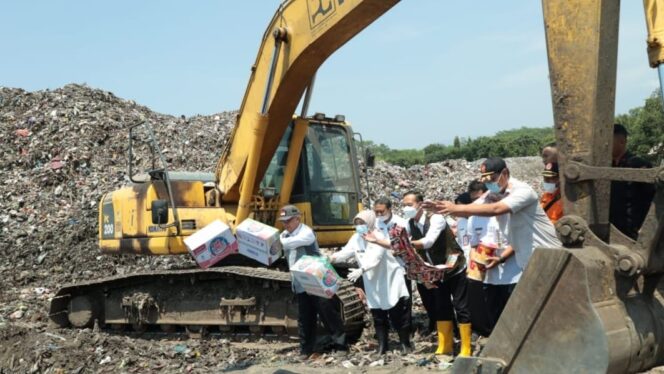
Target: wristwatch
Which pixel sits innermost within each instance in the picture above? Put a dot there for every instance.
(502, 259)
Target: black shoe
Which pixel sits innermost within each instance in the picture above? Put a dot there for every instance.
(382, 335)
(404, 341)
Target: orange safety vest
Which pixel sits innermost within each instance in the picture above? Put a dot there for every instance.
(552, 205)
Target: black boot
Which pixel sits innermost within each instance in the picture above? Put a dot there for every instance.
(382, 335)
(404, 341)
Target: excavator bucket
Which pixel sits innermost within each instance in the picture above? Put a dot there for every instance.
(571, 312)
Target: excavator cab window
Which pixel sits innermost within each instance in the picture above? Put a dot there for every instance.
(331, 180)
(327, 174)
(274, 175)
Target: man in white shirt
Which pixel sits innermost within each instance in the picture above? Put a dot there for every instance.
(477, 304)
(502, 272)
(529, 227)
(448, 297)
(298, 240)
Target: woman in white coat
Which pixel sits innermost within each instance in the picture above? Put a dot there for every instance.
(383, 280)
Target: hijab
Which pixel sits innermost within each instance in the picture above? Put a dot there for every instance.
(369, 218)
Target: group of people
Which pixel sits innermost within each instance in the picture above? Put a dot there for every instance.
(483, 240)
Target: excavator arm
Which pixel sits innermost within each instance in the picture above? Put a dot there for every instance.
(300, 37)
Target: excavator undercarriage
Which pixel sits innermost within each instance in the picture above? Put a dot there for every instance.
(231, 300)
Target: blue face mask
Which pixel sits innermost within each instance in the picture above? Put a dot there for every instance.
(361, 229)
(493, 187)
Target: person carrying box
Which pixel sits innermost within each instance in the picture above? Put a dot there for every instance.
(298, 240)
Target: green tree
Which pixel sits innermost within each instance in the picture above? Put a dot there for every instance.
(646, 128)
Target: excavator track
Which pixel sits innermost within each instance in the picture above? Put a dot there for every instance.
(231, 300)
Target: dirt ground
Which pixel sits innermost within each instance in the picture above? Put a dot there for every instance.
(33, 347)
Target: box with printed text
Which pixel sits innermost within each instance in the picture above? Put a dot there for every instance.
(258, 241)
(316, 275)
(211, 244)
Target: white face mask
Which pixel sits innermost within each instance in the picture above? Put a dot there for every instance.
(361, 229)
(549, 187)
(409, 212)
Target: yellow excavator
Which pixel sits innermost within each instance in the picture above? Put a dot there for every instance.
(272, 158)
(592, 306)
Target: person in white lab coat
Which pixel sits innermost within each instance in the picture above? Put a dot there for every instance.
(385, 221)
(383, 279)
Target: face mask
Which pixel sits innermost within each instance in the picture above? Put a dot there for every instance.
(549, 187)
(361, 229)
(493, 187)
(381, 219)
(409, 212)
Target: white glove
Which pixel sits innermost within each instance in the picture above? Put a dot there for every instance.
(355, 274)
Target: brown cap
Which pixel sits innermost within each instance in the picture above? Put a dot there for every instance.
(550, 170)
(288, 212)
(492, 165)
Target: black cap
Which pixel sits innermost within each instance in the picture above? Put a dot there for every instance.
(463, 198)
(619, 129)
(550, 170)
(492, 165)
(288, 212)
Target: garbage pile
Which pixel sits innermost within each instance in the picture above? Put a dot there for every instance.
(62, 150)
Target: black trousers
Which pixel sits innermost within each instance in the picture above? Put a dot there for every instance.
(480, 312)
(450, 297)
(309, 308)
(496, 299)
(408, 303)
(399, 315)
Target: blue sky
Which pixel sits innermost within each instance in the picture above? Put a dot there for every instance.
(425, 72)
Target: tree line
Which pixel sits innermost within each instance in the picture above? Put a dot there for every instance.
(645, 125)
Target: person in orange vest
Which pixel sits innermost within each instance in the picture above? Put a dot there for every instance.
(551, 200)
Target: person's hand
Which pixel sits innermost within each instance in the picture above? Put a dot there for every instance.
(430, 286)
(492, 262)
(370, 237)
(446, 207)
(354, 274)
(429, 204)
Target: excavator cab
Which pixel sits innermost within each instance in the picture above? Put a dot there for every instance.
(325, 184)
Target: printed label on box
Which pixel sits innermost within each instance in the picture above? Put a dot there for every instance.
(211, 244)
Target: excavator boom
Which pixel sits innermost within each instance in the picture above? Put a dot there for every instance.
(300, 37)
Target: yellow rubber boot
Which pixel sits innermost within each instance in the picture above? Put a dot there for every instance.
(466, 333)
(445, 337)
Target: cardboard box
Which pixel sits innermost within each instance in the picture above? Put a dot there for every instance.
(258, 241)
(211, 244)
(316, 276)
(478, 260)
